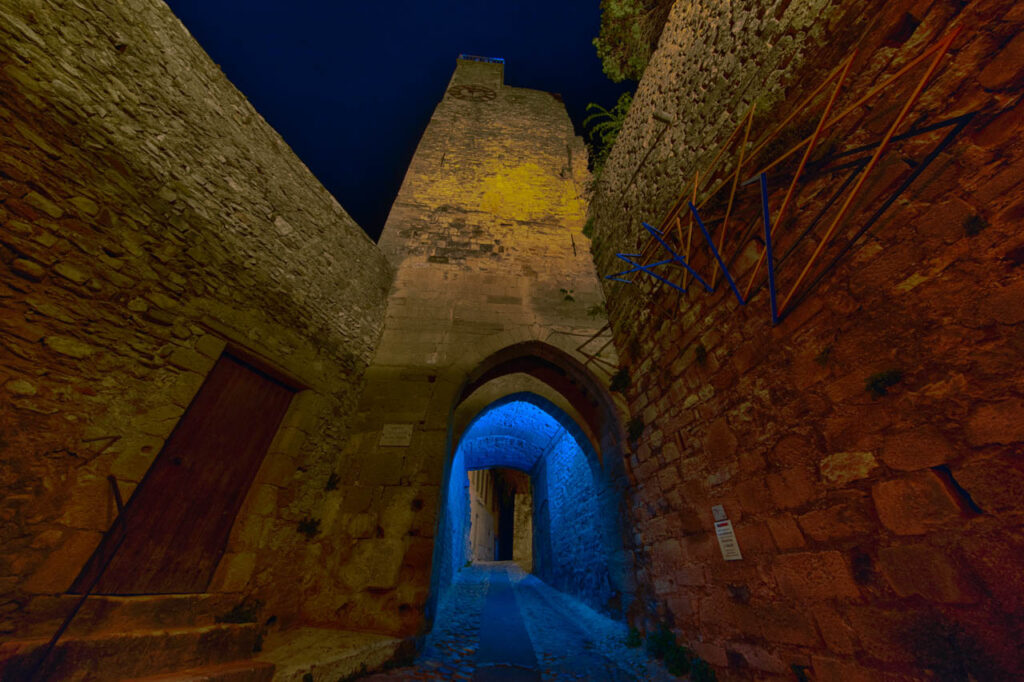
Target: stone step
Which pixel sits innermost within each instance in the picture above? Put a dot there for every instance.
(326, 655)
(114, 656)
(236, 671)
(102, 613)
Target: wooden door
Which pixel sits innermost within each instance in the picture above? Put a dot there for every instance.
(174, 528)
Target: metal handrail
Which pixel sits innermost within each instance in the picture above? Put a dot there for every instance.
(48, 649)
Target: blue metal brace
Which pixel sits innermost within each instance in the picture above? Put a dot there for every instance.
(641, 267)
(721, 264)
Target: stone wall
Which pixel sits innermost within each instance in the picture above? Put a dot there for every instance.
(150, 217)
(867, 448)
(522, 547)
(569, 548)
(483, 515)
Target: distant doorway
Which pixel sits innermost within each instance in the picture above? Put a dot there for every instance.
(175, 527)
(501, 524)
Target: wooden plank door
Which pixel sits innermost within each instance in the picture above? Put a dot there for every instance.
(175, 527)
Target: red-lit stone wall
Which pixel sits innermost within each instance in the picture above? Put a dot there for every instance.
(881, 534)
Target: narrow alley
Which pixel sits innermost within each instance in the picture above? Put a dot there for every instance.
(498, 623)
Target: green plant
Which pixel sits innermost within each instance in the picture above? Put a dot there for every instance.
(878, 384)
(660, 641)
(629, 33)
(974, 224)
(634, 639)
(588, 228)
(596, 310)
(620, 380)
(605, 131)
(701, 671)
(309, 527)
(700, 353)
(635, 429)
(567, 294)
(677, 659)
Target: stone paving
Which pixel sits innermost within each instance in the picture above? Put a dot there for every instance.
(569, 639)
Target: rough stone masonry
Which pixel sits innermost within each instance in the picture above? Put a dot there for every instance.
(867, 449)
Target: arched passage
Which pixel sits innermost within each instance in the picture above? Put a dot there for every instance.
(575, 467)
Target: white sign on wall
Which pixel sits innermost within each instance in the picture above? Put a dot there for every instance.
(396, 435)
(727, 541)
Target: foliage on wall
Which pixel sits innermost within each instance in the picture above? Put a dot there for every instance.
(629, 33)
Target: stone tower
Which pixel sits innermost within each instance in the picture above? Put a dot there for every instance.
(486, 239)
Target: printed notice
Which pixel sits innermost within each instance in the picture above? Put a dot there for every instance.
(727, 541)
(396, 435)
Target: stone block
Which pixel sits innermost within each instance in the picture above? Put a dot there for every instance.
(882, 632)
(720, 442)
(374, 564)
(1003, 304)
(1007, 68)
(924, 570)
(62, 566)
(233, 572)
(915, 504)
(840, 670)
(21, 387)
(132, 465)
(185, 358)
(791, 488)
(66, 345)
(1001, 422)
(381, 467)
(837, 633)
(753, 496)
(71, 272)
(838, 521)
(210, 346)
(759, 658)
(918, 448)
(995, 483)
(815, 576)
(356, 498)
(278, 468)
(785, 532)
(841, 468)
(788, 626)
(28, 269)
(264, 501)
(362, 526)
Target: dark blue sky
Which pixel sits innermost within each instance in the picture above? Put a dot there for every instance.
(351, 85)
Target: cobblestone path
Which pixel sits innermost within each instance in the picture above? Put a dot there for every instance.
(569, 640)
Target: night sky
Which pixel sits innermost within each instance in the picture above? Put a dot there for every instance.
(351, 85)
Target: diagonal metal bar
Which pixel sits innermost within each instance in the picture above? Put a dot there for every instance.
(943, 47)
(803, 163)
(718, 257)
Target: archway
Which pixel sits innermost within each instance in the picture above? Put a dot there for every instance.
(579, 454)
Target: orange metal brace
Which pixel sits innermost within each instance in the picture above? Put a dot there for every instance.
(853, 107)
(942, 48)
(689, 229)
(681, 201)
(803, 162)
(732, 192)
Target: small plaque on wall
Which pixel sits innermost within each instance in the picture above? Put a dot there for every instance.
(396, 435)
(727, 541)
